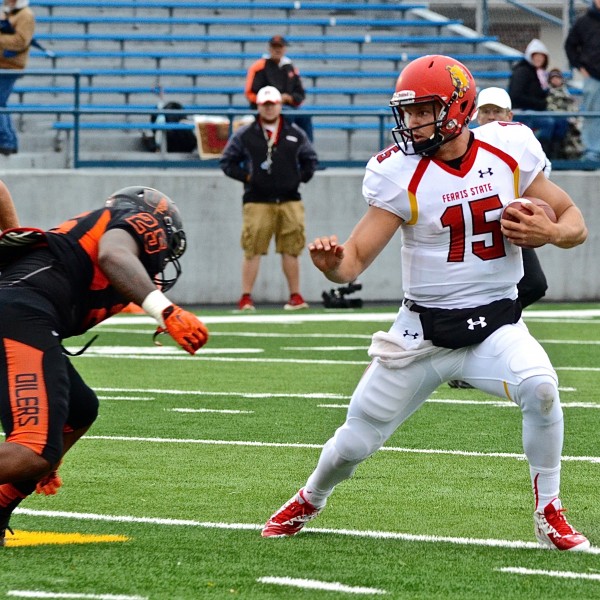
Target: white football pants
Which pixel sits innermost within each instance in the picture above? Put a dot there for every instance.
(508, 364)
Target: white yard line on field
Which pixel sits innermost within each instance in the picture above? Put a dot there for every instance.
(345, 315)
(211, 410)
(132, 398)
(359, 533)
(227, 394)
(38, 594)
(157, 440)
(202, 356)
(254, 334)
(313, 584)
(562, 574)
(494, 403)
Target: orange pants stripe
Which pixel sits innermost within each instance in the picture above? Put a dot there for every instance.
(28, 397)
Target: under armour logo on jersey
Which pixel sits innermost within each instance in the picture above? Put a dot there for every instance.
(406, 333)
(481, 323)
(488, 172)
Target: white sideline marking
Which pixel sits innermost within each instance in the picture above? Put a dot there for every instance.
(387, 535)
(136, 398)
(313, 584)
(118, 438)
(255, 334)
(305, 361)
(346, 315)
(160, 351)
(495, 403)
(324, 348)
(228, 394)
(185, 356)
(37, 594)
(563, 574)
(211, 410)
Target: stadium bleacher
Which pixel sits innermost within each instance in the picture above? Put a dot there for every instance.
(130, 54)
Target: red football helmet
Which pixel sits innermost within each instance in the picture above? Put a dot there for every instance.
(446, 84)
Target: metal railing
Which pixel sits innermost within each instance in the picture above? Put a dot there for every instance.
(381, 120)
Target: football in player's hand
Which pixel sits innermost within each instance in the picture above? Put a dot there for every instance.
(521, 204)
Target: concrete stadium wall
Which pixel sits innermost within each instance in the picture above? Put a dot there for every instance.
(211, 207)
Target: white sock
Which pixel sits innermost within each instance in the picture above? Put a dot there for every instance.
(546, 485)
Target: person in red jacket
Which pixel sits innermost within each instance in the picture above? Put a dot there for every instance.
(276, 69)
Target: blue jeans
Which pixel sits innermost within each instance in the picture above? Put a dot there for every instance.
(8, 137)
(590, 129)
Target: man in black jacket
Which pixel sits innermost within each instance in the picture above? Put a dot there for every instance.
(583, 51)
(276, 69)
(271, 157)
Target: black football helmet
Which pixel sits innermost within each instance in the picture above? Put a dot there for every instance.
(145, 199)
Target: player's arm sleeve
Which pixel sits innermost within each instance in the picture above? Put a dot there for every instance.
(381, 192)
(533, 158)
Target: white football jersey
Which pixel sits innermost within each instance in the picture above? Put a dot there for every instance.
(453, 252)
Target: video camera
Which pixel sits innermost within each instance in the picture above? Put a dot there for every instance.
(336, 298)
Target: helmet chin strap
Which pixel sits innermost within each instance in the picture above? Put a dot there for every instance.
(429, 147)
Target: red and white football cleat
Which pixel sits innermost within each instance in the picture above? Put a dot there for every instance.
(553, 531)
(290, 518)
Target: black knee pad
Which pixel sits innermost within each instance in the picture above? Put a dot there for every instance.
(83, 402)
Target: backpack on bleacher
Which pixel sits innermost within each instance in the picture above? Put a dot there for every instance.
(183, 140)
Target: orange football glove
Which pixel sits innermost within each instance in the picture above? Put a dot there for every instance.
(49, 484)
(184, 327)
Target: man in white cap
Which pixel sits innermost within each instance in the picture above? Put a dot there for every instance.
(493, 104)
(272, 157)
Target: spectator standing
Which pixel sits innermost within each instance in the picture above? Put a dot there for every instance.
(272, 158)
(445, 188)
(277, 70)
(528, 90)
(583, 51)
(559, 98)
(16, 33)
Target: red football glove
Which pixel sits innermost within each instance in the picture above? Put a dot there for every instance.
(184, 327)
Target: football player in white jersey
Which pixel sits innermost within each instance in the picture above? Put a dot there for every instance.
(444, 188)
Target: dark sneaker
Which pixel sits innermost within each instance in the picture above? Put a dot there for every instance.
(460, 385)
(4, 528)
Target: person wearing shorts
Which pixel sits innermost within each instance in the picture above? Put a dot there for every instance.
(272, 158)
